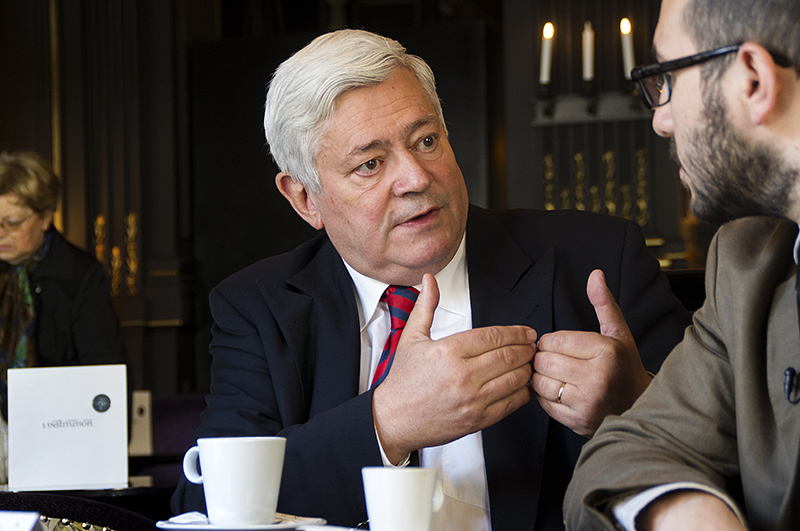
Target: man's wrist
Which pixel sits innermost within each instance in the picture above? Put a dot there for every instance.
(688, 509)
(626, 510)
(391, 456)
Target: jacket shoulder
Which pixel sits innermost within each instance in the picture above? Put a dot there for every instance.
(562, 220)
(747, 240)
(276, 270)
(562, 230)
(65, 262)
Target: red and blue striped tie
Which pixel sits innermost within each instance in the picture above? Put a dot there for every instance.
(401, 300)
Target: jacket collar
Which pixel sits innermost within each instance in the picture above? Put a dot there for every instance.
(507, 285)
(56, 264)
(316, 312)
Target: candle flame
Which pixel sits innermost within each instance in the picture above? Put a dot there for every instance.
(549, 31)
(625, 26)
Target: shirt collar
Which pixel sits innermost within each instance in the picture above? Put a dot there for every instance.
(452, 282)
(796, 249)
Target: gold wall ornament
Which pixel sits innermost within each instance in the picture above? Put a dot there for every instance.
(549, 183)
(565, 196)
(580, 181)
(627, 204)
(116, 270)
(100, 239)
(610, 170)
(642, 197)
(131, 230)
(594, 197)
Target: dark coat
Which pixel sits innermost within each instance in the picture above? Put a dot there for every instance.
(75, 321)
(286, 357)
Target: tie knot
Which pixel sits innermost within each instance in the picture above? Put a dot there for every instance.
(401, 300)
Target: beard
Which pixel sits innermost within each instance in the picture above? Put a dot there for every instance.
(733, 177)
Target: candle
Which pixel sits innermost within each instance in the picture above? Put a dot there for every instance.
(627, 46)
(546, 60)
(587, 41)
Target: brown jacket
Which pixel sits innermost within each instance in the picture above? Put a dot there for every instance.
(716, 413)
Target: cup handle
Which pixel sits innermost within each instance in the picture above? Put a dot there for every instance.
(190, 461)
(438, 496)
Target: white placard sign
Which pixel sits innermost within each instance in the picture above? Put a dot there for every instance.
(19, 521)
(67, 428)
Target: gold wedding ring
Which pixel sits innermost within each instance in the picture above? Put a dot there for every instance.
(560, 392)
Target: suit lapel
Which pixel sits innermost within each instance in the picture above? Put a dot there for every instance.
(319, 322)
(506, 286)
(509, 287)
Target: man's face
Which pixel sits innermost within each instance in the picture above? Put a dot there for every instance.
(393, 200)
(728, 174)
(731, 176)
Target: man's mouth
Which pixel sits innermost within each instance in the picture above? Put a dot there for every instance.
(419, 217)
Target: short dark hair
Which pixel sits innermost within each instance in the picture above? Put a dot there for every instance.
(773, 24)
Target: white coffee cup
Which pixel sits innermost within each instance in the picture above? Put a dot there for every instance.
(401, 499)
(241, 477)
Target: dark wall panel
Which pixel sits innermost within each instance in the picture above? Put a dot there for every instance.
(25, 81)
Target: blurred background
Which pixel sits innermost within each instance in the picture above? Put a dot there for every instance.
(151, 110)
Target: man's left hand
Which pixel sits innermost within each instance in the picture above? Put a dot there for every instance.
(581, 377)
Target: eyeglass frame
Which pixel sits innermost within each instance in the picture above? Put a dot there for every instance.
(640, 73)
(13, 226)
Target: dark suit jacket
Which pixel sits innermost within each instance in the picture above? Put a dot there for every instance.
(286, 357)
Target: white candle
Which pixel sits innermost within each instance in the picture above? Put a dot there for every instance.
(587, 41)
(546, 59)
(627, 47)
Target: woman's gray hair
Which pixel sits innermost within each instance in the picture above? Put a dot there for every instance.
(26, 175)
(304, 89)
(774, 24)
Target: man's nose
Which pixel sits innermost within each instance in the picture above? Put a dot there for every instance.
(662, 121)
(412, 176)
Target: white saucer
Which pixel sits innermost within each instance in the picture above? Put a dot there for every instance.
(195, 521)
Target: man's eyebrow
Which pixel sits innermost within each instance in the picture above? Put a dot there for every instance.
(360, 150)
(407, 130)
(420, 123)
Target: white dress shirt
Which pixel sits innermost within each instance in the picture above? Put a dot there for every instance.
(460, 463)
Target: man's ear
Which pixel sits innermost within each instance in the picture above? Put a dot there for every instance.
(761, 87)
(302, 201)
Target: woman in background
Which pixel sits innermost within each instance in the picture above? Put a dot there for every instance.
(55, 306)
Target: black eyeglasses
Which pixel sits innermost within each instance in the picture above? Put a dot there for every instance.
(654, 82)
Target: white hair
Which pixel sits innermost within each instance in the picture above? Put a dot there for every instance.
(304, 89)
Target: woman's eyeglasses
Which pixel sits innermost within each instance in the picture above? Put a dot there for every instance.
(11, 225)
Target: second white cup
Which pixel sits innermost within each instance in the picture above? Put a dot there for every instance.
(401, 499)
(241, 477)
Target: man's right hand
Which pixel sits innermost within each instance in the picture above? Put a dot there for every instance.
(439, 391)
